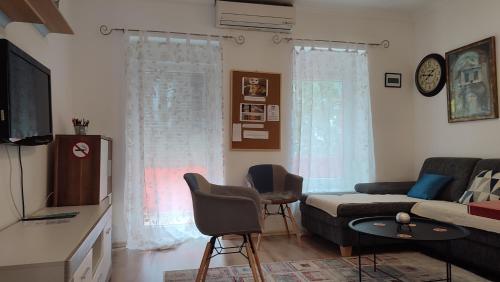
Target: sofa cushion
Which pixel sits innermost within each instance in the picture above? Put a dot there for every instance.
(384, 187)
(336, 229)
(360, 204)
(458, 168)
(429, 186)
(486, 187)
(454, 213)
(486, 164)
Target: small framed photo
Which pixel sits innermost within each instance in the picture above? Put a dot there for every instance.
(392, 80)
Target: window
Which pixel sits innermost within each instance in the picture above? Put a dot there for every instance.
(173, 126)
(332, 142)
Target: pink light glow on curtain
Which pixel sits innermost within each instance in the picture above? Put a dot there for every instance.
(166, 191)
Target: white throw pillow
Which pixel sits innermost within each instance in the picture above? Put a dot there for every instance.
(485, 187)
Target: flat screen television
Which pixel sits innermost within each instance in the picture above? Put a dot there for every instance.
(25, 98)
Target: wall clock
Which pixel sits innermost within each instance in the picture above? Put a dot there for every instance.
(430, 75)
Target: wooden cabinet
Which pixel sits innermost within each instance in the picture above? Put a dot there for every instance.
(82, 172)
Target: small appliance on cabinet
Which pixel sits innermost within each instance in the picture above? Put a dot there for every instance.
(82, 172)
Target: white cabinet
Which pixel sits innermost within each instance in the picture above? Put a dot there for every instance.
(103, 268)
(96, 266)
(84, 271)
(71, 250)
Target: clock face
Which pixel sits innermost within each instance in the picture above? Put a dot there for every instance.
(430, 75)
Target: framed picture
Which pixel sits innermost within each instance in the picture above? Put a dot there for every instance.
(392, 80)
(472, 82)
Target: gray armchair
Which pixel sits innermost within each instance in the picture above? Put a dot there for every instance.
(222, 210)
(277, 186)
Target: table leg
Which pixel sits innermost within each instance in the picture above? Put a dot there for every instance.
(448, 272)
(448, 264)
(359, 256)
(374, 254)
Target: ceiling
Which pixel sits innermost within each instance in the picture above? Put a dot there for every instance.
(403, 5)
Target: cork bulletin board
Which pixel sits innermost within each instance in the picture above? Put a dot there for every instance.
(256, 110)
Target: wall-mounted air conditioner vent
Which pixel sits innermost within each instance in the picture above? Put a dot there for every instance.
(238, 15)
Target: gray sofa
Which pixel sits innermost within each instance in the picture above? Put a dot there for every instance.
(480, 252)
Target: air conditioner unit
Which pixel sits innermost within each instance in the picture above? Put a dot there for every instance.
(262, 17)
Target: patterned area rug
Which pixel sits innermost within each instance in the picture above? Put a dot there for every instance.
(409, 266)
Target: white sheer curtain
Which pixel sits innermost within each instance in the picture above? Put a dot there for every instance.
(174, 125)
(332, 139)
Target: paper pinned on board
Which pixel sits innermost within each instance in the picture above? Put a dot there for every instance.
(253, 125)
(273, 113)
(254, 88)
(252, 112)
(236, 132)
(255, 134)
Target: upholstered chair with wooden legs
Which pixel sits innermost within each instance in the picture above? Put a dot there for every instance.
(224, 210)
(277, 186)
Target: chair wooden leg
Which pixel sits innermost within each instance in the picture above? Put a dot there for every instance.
(205, 270)
(251, 259)
(201, 270)
(256, 258)
(346, 251)
(259, 237)
(294, 223)
(283, 213)
(205, 261)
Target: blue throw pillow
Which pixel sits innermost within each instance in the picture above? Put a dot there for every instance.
(428, 186)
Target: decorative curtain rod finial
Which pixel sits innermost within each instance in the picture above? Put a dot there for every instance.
(105, 30)
(277, 39)
(240, 39)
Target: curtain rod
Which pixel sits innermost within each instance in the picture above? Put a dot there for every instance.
(278, 39)
(240, 39)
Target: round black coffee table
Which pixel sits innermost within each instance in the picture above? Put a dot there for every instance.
(419, 229)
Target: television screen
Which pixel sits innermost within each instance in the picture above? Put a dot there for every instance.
(26, 98)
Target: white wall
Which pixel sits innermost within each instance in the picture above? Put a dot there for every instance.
(441, 27)
(88, 79)
(52, 52)
(97, 75)
(88, 72)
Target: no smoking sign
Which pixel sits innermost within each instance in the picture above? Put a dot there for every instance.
(81, 150)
